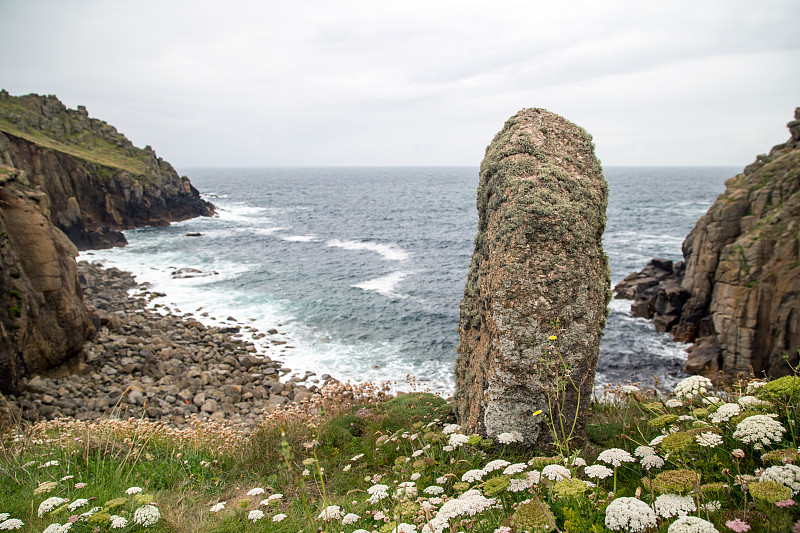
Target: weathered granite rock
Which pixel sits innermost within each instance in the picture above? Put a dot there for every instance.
(97, 181)
(741, 285)
(43, 320)
(538, 273)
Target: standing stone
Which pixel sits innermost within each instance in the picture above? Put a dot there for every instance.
(538, 272)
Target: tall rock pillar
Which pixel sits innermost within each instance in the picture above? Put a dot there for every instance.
(537, 291)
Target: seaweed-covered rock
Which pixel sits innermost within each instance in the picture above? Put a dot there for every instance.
(536, 297)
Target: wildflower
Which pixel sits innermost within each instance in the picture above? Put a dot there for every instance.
(47, 486)
(278, 517)
(673, 403)
(725, 412)
(415, 476)
(66, 478)
(448, 448)
(80, 485)
(711, 507)
(377, 493)
(752, 401)
(469, 503)
(441, 480)
(692, 387)
(643, 451)
(615, 456)
(451, 428)
(133, 490)
(4, 516)
(217, 507)
(629, 514)
(417, 453)
(11, 523)
(331, 512)
(669, 505)
(49, 504)
(357, 457)
(255, 515)
(759, 430)
(652, 461)
(516, 468)
(470, 476)
(346, 468)
(578, 462)
(785, 503)
(787, 475)
(510, 437)
(55, 528)
(402, 527)
(433, 490)
(753, 386)
(556, 472)
(692, 524)
(118, 522)
(656, 441)
(495, 465)
(708, 439)
(738, 453)
(275, 497)
(54, 462)
(457, 439)
(737, 525)
(80, 502)
(146, 515)
(629, 389)
(350, 518)
(598, 471)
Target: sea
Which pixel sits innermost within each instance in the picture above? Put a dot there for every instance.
(361, 269)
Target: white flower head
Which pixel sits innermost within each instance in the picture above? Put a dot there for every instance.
(693, 387)
(725, 412)
(598, 471)
(217, 507)
(377, 493)
(643, 451)
(615, 456)
(255, 515)
(331, 512)
(787, 475)
(11, 523)
(692, 524)
(629, 389)
(510, 437)
(451, 428)
(133, 490)
(708, 439)
(652, 461)
(278, 517)
(255, 492)
(673, 403)
(751, 401)
(629, 514)
(80, 502)
(669, 505)
(759, 430)
(471, 476)
(516, 468)
(118, 522)
(146, 515)
(495, 465)
(350, 518)
(457, 439)
(556, 472)
(49, 504)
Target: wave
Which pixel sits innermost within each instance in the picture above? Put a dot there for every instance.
(299, 238)
(385, 284)
(390, 252)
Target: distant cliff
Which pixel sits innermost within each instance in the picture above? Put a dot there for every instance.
(537, 290)
(97, 182)
(67, 182)
(737, 294)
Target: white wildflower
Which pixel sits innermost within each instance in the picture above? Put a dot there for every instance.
(10, 523)
(556, 472)
(708, 439)
(787, 475)
(469, 503)
(457, 439)
(495, 465)
(417, 453)
(433, 490)
(350, 518)
(357, 457)
(49, 504)
(598, 471)
(516, 468)
(673, 403)
(133, 490)
(509, 437)
(629, 389)
(691, 524)
(403, 527)
(441, 480)
(643, 451)
(578, 462)
(471, 476)
(80, 502)
(759, 430)
(331, 512)
(255, 515)
(753, 386)
(377, 493)
(656, 441)
(415, 476)
(146, 515)
(451, 428)
(652, 461)
(692, 387)
(725, 412)
(711, 507)
(712, 400)
(518, 485)
(669, 505)
(278, 517)
(217, 507)
(4, 516)
(55, 528)
(118, 522)
(615, 456)
(54, 462)
(255, 492)
(629, 514)
(752, 401)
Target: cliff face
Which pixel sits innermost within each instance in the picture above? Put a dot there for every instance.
(537, 291)
(737, 295)
(43, 321)
(97, 181)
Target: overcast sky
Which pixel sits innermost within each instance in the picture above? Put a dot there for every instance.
(413, 82)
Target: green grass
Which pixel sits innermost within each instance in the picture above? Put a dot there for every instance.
(339, 449)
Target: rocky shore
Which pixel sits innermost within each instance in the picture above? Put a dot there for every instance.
(165, 368)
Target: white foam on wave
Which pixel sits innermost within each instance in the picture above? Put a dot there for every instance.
(385, 284)
(390, 252)
(239, 212)
(265, 231)
(300, 238)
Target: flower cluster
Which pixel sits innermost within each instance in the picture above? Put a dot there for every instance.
(629, 514)
(692, 387)
(759, 430)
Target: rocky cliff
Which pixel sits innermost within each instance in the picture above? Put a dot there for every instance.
(537, 290)
(98, 183)
(736, 295)
(43, 321)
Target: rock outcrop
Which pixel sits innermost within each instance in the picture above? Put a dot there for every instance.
(536, 297)
(736, 295)
(97, 181)
(43, 322)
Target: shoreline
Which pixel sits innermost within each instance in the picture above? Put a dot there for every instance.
(163, 367)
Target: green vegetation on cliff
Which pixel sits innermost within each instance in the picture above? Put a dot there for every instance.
(46, 122)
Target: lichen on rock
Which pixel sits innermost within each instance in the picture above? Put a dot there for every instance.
(537, 289)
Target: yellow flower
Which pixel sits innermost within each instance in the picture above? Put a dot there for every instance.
(553, 337)
(537, 412)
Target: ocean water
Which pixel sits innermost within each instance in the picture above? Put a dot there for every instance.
(361, 270)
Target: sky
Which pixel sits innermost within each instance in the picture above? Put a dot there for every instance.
(316, 83)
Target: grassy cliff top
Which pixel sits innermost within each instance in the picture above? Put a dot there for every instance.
(46, 122)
